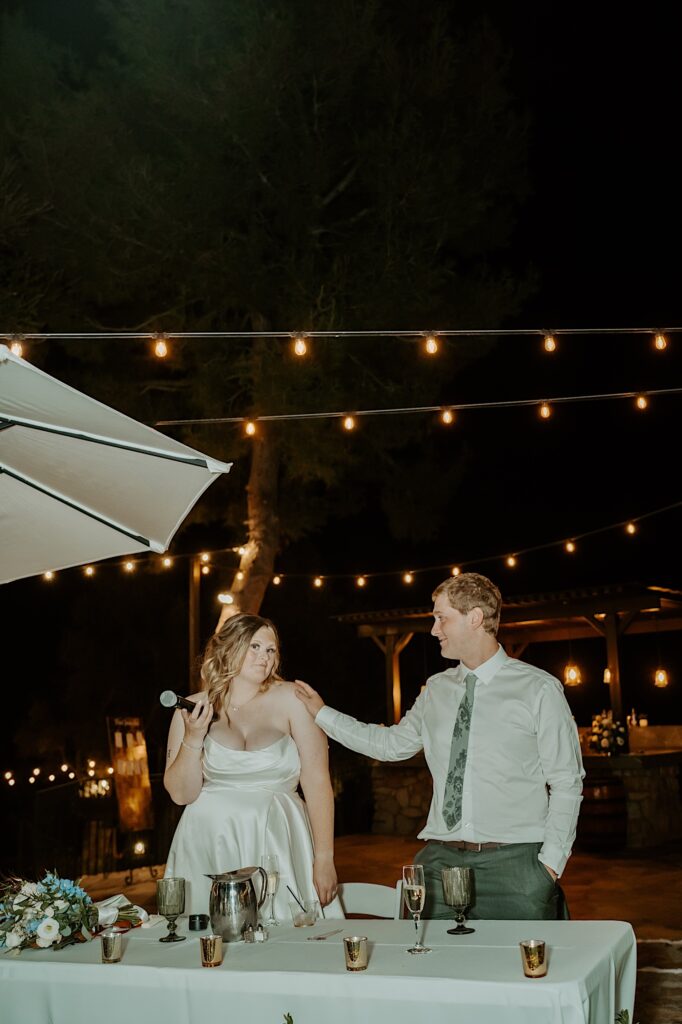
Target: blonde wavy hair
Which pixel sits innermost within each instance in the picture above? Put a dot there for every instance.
(471, 590)
(224, 656)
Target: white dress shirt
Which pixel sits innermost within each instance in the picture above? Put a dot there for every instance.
(523, 775)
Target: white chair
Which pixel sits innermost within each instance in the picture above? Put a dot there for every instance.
(371, 900)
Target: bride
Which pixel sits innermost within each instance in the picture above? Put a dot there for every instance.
(235, 762)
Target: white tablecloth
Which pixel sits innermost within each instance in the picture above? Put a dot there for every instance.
(475, 978)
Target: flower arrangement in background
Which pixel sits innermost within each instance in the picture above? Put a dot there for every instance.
(607, 737)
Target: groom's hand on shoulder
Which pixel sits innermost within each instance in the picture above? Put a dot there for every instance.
(309, 698)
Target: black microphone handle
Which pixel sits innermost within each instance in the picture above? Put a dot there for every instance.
(172, 700)
(188, 705)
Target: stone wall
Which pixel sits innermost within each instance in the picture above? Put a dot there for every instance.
(402, 794)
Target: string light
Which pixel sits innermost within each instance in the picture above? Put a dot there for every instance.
(50, 778)
(641, 401)
(161, 346)
(661, 678)
(226, 598)
(569, 547)
(510, 561)
(455, 571)
(36, 771)
(31, 779)
(249, 428)
(300, 345)
(91, 772)
(408, 577)
(64, 767)
(349, 423)
(607, 676)
(431, 345)
(49, 575)
(277, 580)
(205, 556)
(166, 562)
(91, 763)
(447, 417)
(205, 570)
(8, 775)
(129, 566)
(11, 782)
(317, 582)
(572, 675)
(89, 570)
(240, 575)
(361, 581)
(241, 552)
(631, 528)
(72, 775)
(16, 347)
(549, 343)
(660, 341)
(110, 770)
(545, 410)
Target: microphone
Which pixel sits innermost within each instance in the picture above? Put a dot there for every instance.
(169, 699)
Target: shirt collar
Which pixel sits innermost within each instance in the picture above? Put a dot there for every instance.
(487, 669)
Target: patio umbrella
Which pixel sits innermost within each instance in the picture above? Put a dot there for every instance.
(79, 481)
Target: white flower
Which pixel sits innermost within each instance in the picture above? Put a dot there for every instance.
(60, 905)
(49, 911)
(13, 939)
(604, 743)
(48, 931)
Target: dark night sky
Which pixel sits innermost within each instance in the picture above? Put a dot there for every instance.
(601, 228)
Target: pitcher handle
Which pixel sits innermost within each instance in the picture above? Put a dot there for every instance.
(264, 886)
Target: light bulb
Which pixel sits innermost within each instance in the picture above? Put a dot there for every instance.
(447, 416)
(205, 556)
(349, 423)
(129, 566)
(139, 848)
(277, 580)
(607, 676)
(545, 410)
(631, 528)
(408, 577)
(660, 341)
(166, 562)
(89, 570)
(317, 582)
(361, 581)
(510, 561)
(226, 598)
(549, 343)
(49, 575)
(569, 547)
(431, 345)
(16, 347)
(64, 767)
(8, 775)
(455, 571)
(160, 348)
(91, 763)
(31, 779)
(249, 428)
(572, 675)
(110, 770)
(91, 772)
(241, 551)
(660, 678)
(72, 775)
(36, 771)
(239, 575)
(205, 570)
(11, 782)
(300, 345)
(50, 778)
(641, 401)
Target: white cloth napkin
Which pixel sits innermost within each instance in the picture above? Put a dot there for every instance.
(108, 909)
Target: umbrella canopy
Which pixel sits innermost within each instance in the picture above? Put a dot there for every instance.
(79, 481)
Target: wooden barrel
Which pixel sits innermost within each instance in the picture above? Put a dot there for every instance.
(603, 820)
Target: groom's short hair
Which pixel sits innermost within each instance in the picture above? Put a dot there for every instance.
(471, 590)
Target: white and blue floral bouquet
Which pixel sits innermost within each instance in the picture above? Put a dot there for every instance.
(52, 912)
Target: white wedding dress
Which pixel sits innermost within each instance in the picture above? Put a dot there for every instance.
(248, 806)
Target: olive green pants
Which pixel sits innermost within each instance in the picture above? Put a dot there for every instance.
(510, 883)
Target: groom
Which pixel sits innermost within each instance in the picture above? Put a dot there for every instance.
(503, 751)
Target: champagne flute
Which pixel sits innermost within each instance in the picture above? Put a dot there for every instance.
(458, 889)
(170, 902)
(270, 865)
(414, 894)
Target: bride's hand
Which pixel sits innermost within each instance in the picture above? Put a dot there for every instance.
(197, 722)
(308, 696)
(324, 878)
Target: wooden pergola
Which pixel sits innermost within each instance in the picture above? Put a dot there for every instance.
(609, 612)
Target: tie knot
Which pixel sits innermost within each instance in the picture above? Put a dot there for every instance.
(470, 680)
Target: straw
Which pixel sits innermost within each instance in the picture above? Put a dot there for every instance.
(296, 898)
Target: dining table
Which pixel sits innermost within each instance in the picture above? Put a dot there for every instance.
(477, 978)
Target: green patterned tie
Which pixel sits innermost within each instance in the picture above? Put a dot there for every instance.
(452, 801)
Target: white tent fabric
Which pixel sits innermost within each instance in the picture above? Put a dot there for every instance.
(79, 481)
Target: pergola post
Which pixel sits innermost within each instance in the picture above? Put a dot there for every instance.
(612, 631)
(194, 624)
(391, 645)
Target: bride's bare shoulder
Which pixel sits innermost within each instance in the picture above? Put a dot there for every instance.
(283, 690)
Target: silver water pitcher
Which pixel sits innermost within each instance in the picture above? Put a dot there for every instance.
(233, 905)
